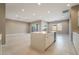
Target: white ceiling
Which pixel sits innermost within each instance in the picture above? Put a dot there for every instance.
(32, 11)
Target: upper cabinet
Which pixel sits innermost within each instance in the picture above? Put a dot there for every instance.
(78, 17)
(75, 18)
(76, 41)
(2, 23)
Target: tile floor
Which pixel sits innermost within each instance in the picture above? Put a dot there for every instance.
(19, 44)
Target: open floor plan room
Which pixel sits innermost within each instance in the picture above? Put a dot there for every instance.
(39, 29)
(20, 45)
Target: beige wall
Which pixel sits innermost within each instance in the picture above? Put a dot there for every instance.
(2, 22)
(65, 26)
(13, 27)
(74, 18)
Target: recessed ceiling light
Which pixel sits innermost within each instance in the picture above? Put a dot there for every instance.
(34, 14)
(48, 12)
(68, 5)
(39, 3)
(40, 16)
(16, 15)
(22, 10)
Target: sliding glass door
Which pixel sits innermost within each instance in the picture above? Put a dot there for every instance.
(35, 27)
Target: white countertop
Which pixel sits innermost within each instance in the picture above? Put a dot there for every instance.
(43, 32)
(76, 32)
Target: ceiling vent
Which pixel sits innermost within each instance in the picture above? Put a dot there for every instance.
(65, 11)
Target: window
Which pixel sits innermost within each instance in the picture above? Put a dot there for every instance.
(59, 27)
(35, 27)
(54, 27)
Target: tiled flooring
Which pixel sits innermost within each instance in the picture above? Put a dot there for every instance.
(20, 45)
(62, 46)
(0, 48)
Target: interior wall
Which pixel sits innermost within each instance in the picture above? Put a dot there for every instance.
(14, 27)
(2, 22)
(65, 26)
(74, 18)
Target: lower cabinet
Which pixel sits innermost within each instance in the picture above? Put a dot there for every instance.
(76, 41)
(41, 41)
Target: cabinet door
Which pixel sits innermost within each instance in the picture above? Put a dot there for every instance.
(76, 41)
(74, 38)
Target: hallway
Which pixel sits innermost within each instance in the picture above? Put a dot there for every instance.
(19, 44)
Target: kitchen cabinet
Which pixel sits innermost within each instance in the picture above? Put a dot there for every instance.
(0, 37)
(42, 40)
(76, 41)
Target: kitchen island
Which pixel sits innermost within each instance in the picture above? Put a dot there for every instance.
(42, 40)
